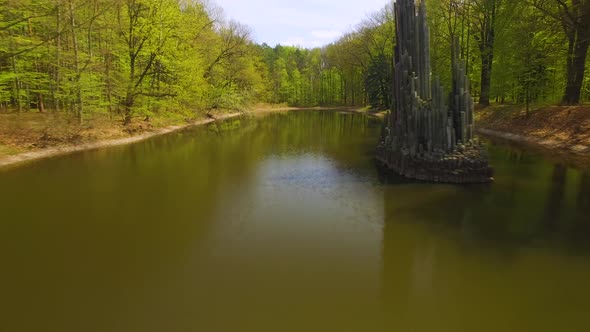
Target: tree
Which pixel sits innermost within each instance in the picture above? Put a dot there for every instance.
(486, 12)
(574, 17)
(378, 82)
(145, 27)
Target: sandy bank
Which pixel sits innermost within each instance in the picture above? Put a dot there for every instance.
(24, 157)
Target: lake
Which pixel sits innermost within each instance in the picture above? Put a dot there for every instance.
(285, 223)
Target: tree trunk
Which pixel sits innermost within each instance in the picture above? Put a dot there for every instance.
(107, 73)
(17, 87)
(78, 88)
(486, 48)
(576, 66)
(40, 103)
(129, 102)
(486, 78)
(527, 96)
(57, 88)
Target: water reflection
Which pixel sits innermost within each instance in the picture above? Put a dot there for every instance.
(581, 226)
(555, 198)
(532, 202)
(284, 224)
(491, 257)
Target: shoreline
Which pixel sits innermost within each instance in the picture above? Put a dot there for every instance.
(577, 156)
(560, 132)
(545, 143)
(9, 161)
(25, 157)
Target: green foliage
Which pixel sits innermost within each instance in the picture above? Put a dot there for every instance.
(354, 70)
(378, 82)
(136, 58)
(132, 58)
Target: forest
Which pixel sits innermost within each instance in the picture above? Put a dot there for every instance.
(164, 169)
(146, 58)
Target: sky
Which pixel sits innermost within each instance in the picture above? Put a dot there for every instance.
(305, 23)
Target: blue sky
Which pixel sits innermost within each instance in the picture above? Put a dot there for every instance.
(307, 23)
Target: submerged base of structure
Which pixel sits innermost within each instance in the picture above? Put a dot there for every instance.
(470, 165)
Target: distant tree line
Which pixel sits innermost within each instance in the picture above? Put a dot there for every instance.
(133, 58)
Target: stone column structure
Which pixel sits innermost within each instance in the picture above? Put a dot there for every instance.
(425, 136)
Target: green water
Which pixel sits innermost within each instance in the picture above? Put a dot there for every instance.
(284, 224)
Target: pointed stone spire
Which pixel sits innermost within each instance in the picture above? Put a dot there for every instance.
(425, 137)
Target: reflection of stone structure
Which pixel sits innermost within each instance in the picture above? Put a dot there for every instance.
(424, 138)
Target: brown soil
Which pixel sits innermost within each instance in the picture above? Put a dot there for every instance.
(32, 135)
(565, 128)
(32, 131)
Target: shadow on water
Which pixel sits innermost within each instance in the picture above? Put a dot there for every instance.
(284, 223)
(533, 202)
(508, 256)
